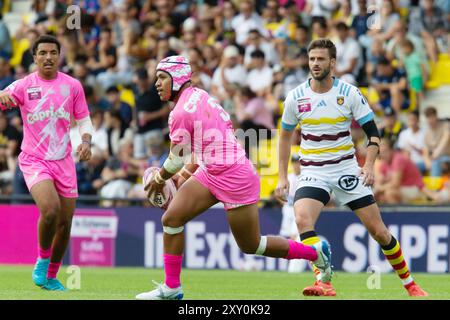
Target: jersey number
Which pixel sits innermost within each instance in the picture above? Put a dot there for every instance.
(213, 103)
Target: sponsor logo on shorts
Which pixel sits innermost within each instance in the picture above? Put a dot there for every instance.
(348, 182)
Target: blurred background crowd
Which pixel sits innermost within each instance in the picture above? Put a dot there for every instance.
(248, 54)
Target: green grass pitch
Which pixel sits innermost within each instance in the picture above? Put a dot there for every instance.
(125, 283)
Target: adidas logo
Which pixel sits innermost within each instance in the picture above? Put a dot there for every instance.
(322, 104)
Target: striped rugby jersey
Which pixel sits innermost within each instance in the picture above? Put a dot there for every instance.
(325, 121)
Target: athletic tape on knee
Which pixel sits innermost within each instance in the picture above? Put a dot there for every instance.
(170, 230)
(262, 246)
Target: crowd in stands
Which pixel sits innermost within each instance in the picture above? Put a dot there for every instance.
(248, 54)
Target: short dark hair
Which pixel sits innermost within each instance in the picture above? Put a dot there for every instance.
(323, 44)
(407, 43)
(112, 89)
(45, 39)
(258, 54)
(415, 113)
(390, 142)
(430, 111)
(341, 26)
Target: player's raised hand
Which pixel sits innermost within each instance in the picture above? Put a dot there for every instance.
(282, 190)
(84, 151)
(367, 172)
(6, 100)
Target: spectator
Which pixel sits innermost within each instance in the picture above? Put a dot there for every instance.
(158, 153)
(163, 47)
(93, 100)
(374, 54)
(119, 175)
(229, 72)
(116, 130)
(415, 69)
(442, 195)
(256, 42)
(285, 30)
(437, 142)
(105, 56)
(319, 28)
(397, 178)
(157, 150)
(9, 144)
(321, 8)
(6, 77)
(89, 173)
(199, 77)
(429, 22)
(115, 103)
(383, 21)
(81, 73)
(247, 20)
(344, 14)
(100, 136)
(260, 77)
(412, 140)
(151, 112)
(348, 55)
(5, 40)
(401, 33)
(27, 57)
(229, 12)
(360, 24)
(271, 16)
(252, 113)
(391, 126)
(391, 86)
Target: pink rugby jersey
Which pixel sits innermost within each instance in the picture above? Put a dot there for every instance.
(47, 107)
(199, 121)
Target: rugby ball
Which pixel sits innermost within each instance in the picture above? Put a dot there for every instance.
(156, 198)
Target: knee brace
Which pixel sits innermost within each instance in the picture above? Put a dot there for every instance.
(262, 246)
(170, 230)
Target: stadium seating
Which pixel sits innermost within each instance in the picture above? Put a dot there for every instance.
(439, 74)
(433, 183)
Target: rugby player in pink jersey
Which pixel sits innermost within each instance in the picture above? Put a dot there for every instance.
(48, 99)
(201, 129)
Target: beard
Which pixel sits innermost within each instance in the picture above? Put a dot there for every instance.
(323, 75)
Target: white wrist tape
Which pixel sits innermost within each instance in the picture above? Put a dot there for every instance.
(85, 126)
(158, 178)
(173, 163)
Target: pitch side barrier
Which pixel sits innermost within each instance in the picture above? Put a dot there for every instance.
(132, 236)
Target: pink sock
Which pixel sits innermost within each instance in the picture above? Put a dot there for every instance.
(172, 269)
(53, 268)
(45, 253)
(298, 250)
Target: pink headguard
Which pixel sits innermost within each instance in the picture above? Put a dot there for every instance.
(178, 68)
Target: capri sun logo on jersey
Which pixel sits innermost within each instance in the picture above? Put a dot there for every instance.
(50, 113)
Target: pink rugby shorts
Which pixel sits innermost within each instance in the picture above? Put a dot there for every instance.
(61, 172)
(235, 187)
